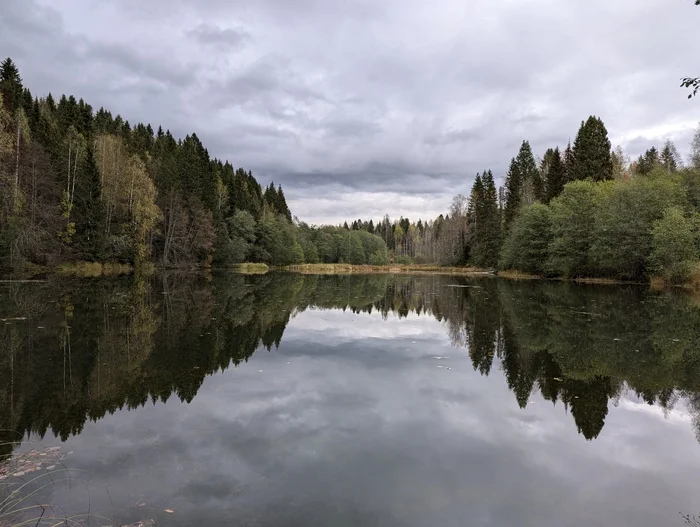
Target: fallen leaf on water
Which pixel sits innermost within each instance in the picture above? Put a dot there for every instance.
(558, 379)
(51, 467)
(170, 511)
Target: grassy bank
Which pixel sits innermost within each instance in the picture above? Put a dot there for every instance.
(251, 268)
(94, 269)
(382, 269)
(518, 275)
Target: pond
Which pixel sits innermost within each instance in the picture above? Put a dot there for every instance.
(288, 399)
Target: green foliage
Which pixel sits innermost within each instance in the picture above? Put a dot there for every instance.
(325, 245)
(527, 246)
(242, 229)
(378, 258)
(591, 152)
(353, 252)
(674, 251)
(573, 214)
(277, 241)
(309, 249)
(624, 221)
(404, 259)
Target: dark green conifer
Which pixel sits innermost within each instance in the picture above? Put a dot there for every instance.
(556, 176)
(89, 211)
(513, 194)
(591, 152)
(648, 161)
(10, 85)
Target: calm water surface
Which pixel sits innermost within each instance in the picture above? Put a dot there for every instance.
(359, 400)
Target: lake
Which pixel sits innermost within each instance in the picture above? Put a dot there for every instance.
(376, 400)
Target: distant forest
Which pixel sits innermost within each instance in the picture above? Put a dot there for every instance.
(79, 185)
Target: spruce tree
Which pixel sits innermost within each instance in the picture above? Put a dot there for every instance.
(648, 161)
(569, 163)
(556, 176)
(523, 183)
(491, 222)
(485, 232)
(670, 158)
(282, 206)
(591, 152)
(526, 164)
(10, 85)
(271, 198)
(514, 186)
(89, 211)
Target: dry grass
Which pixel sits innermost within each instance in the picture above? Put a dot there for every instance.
(600, 281)
(381, 269)
(694, 280)
(657, 283)
(252, 268)
(94, 269)
(518, 275)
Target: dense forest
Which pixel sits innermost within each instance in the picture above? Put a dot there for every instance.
(82, 350)
(582, 211)
(79, 185)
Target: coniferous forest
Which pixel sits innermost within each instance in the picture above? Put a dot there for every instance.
(78, 185)
(84, 185)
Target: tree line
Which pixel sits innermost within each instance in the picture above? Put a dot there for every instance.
(80, 185)
(584, 210)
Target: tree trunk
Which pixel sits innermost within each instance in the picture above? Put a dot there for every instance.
(16, 196)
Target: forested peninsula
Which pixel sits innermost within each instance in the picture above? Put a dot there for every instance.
(78, 185)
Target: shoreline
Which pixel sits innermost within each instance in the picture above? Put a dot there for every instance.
(35, 273)
(330, 269)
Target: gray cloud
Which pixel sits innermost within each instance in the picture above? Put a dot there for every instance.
(373, 98)
(226, 38)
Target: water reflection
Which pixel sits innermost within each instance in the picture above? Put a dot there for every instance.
(75, 351)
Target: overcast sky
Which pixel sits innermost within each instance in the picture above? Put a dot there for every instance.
(361, 107)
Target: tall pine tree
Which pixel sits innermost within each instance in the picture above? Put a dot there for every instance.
(592, 152)
(513, 194)
(648, 161)
(556, 175)
(569, 163)
(671, 160)
(486, 239)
